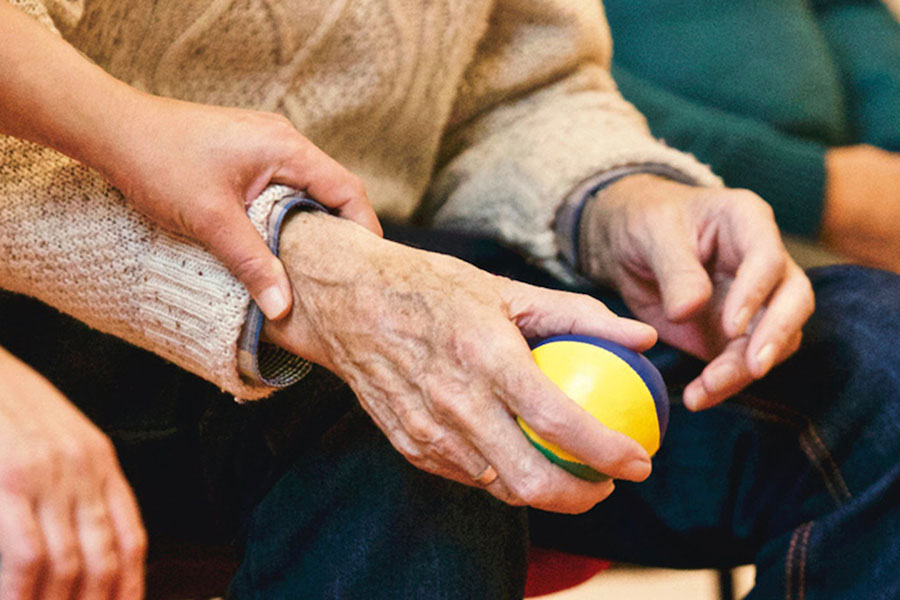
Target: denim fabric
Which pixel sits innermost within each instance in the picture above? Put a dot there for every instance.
(800, 474)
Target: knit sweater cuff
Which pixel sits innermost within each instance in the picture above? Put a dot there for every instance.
(521, 160)
(516, 199)
(194, 311)
(259, 362)
(569, 216)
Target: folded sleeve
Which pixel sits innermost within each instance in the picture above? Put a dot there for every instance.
(538, 114)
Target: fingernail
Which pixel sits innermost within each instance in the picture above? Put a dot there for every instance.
(740, 321)
(694, 396)
(272, 302)
(766, 357)
(637, 470)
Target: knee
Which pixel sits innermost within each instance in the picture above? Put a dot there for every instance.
(857, 307)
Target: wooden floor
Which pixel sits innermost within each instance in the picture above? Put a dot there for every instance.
(634, 583)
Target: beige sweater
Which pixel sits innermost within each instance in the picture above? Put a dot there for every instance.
(478, 114)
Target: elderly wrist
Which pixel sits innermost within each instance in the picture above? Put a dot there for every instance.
(595, 241)
(321, 253)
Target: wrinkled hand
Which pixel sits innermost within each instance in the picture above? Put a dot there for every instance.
(434, 350)
(707, 268)
(69, 524)
(862, 205)
(194, 169)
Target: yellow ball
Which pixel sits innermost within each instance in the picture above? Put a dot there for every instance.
(618, 386)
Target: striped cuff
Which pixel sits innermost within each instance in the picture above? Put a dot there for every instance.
(260, 362)
(568, 217)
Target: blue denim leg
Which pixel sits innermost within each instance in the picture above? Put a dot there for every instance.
(800, 474)
(352, 519)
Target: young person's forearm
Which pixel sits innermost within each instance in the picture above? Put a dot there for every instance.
(54, 96)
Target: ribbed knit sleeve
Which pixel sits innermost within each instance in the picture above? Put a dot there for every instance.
(787, 171)
(538, 114)
(68, 239)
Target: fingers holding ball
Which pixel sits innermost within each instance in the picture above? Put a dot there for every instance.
(619, 387)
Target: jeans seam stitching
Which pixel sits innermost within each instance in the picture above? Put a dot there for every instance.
(829, 459)
(789, 566)
(811, 443)
(803, 547)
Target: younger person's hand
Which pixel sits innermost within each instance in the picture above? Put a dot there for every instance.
(69, 524)
(191, 168)
(194, 169)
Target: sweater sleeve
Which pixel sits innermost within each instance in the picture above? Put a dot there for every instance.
(68, 239)
(787, 171)
(865, 40)
(537, 114)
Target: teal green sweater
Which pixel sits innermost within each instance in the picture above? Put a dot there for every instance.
(759, 89)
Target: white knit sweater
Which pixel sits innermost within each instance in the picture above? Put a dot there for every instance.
(478, 114)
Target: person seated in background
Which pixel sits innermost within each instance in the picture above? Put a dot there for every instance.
(398, 469)
(798, 101)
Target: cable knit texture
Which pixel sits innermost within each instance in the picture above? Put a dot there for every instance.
(491, 111)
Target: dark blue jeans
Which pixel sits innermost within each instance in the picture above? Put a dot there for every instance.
(799, 475)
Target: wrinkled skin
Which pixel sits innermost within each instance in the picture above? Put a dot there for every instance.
(435, 350)
(705, 267)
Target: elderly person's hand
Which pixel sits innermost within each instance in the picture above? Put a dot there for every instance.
(69, 524)
(435, 350)
(707, 268)
(191, 168)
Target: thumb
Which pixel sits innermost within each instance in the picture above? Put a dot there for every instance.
(328, 182)
(237, 243)
(683, 283)
(539, 312)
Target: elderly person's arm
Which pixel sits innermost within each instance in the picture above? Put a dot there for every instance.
(434, 348)
(545, 154)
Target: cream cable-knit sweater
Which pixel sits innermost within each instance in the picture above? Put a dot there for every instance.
(491, 111)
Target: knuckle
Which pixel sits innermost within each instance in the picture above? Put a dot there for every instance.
(355, 187)
(209, 218)
(29, 557)
(410, 451)
(420, 427)
(76, 455)
(444, 403)
(551, 424)
(102, 568)
(101, 449)
(280, 121)
(66, 566)
(17, 474)
(530, 488)
(762, 208)
(249, 267)
(134, 546)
